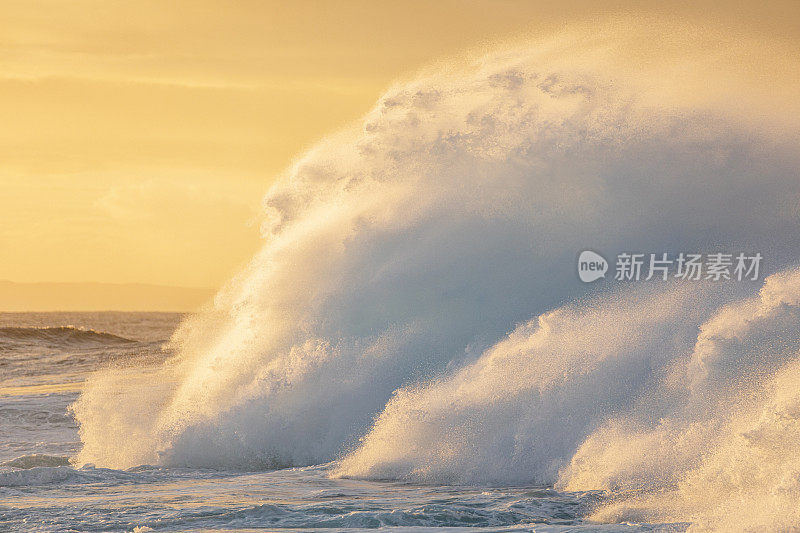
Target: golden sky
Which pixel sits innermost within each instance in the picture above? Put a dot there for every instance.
(138, 137)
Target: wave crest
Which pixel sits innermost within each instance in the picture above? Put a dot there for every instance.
(60, 336)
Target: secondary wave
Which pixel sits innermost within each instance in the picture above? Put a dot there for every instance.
(618, 395)
(398, 255)
(59, 335)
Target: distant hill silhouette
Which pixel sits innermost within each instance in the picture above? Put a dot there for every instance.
(99, 297)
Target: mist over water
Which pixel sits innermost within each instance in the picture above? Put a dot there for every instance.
(415, 313)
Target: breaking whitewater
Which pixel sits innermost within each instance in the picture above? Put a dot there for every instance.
(413, 347)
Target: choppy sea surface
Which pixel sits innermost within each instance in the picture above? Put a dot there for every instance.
(44, 359)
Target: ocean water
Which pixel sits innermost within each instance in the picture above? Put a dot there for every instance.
(412, 347)
(45, 359)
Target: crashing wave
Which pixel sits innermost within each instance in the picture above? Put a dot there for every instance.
(373, 325)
